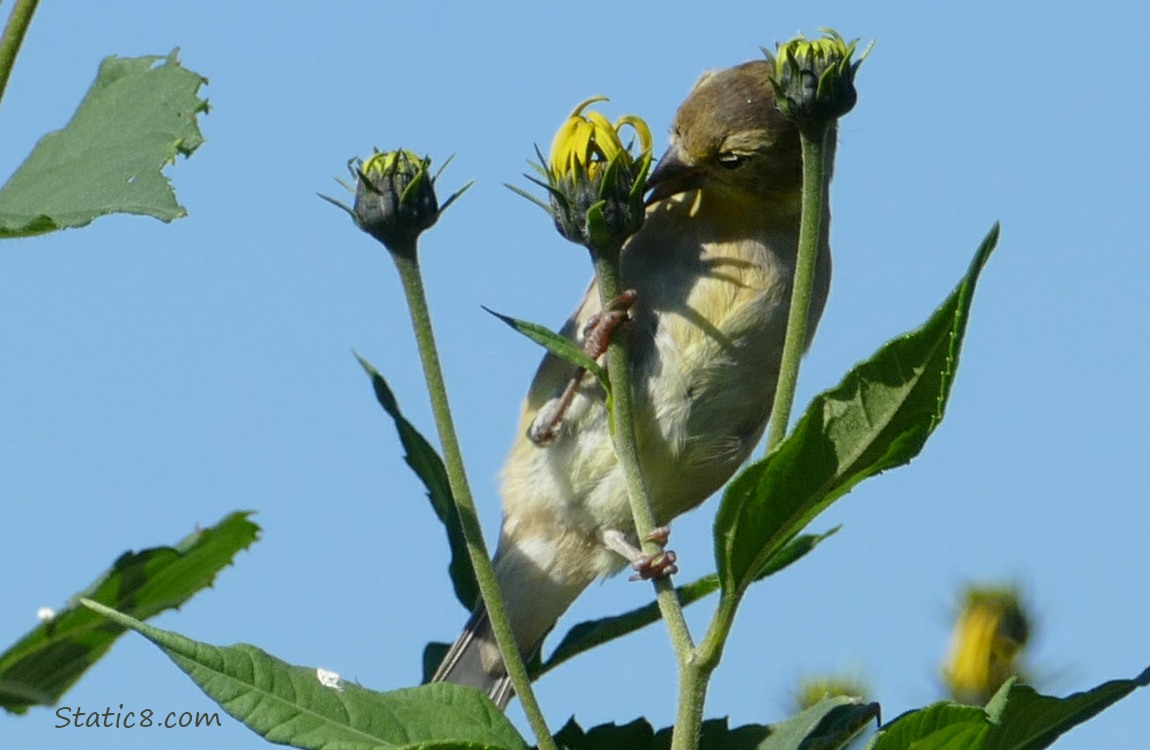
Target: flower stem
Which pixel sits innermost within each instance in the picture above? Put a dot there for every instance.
(812, 227)
(627, 449)
(13, 37)
(407, 263)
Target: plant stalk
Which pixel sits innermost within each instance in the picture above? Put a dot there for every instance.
(816, 184)
(407, 263)
(627, 449)
(812, 230)
(13, 38)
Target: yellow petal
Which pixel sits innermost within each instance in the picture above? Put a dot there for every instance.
(605, 140)
(578, 111)
(640, 127)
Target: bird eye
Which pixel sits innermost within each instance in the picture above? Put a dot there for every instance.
(730, 160)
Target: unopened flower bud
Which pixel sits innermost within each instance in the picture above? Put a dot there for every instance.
(814, 79)
(394, 198)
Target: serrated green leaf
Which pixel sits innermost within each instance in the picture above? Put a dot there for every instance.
(47, 661)
(1016, 718)
(877, 418)
(560, 346)
(1027, 720)
(637, 735)
(310, 708)
(586, 635)
(137, 116)
(941, 725)
(429, 467)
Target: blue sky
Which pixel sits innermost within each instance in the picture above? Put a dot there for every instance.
(159, 376)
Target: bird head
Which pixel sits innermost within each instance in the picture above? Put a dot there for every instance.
(729, 141)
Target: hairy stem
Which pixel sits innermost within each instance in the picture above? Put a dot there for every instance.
(816, 184)
(627, 449)
(13, 37)
(817, 168)
(407, 262)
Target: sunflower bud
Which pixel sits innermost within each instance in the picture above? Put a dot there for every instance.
(394, 197)
(594, 180)
(986, 648)
(814, 79)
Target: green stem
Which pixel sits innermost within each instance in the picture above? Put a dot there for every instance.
(812, 228)
(627, 449)
(407, 262)
(13, 37)
(816, 181)
(711, 649)
(696, 677)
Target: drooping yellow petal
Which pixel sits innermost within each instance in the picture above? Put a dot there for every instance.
(578, 111)
(587, 140)
(640, 127)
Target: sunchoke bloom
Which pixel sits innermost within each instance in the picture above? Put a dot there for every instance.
(595, 180)
(588, 143)
(986, 648)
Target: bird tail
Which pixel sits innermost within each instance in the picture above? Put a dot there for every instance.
(474, 660)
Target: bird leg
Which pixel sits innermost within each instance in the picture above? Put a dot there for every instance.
(646, 567)
(545, 427)
(597, 332)
(596, 336)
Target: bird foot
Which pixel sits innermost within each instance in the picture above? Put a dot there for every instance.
(596, 335)
(659, 565)
(597, 332)
(549, 419)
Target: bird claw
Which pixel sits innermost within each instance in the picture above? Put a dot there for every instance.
(659, 565)
(659, 535)
(600, 326)
(646, 567)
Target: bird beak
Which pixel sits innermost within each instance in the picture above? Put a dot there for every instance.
(672, 175)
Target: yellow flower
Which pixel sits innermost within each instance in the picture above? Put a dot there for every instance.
(986, 647)
(594, 182)
(587, 143)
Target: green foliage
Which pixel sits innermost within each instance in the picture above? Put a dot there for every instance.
(428, 466)
(137, 116)
(560, 346)
(310, 708)
(877, 418)
(826, 726)
(1016, 718)
(39, 668)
